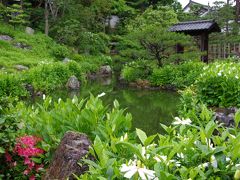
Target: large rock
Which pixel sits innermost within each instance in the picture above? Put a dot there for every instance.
(21, 67)
(5, 38)
(66, 60)
(22, 46)
(73, 147)
(29, 30)
(225, 116)
(105, 70)
(73, 83)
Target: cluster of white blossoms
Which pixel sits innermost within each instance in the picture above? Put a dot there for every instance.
(179, 121)
(137, 168)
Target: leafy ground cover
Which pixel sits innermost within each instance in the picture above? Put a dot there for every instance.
(187, 150)
(176, 76)
(40, 48)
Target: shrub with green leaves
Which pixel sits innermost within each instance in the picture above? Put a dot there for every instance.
(219, 84)
(187, 151)
(11, 85)
(47, 77)
(140, 69)
(50, 120)
(178, 76)
(40, 48)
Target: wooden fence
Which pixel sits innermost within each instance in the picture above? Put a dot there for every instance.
(221, 51)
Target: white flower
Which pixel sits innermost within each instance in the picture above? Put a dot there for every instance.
(74, 100)
(210, 145)
(59, 100)
(181, 155)
(178, 121)
(44, 96)
(124, 138)
(133, 167)
(101, 95)
(160, 158)
(164, 159)
(219, 74)
(214, 161)
(204, 165)
(236, 77)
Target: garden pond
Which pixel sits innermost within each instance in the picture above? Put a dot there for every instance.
(149, 108)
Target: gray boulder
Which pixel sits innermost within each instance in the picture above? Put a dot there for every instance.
(105, 70)
(73, 83)
(66, 60)
(74, 146)
(22, 46)
(5, 38)
(29, 30)
(226, 116)
(21, 67)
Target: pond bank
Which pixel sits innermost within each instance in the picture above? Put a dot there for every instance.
(161, 105)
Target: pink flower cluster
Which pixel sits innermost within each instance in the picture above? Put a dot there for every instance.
(26, 148)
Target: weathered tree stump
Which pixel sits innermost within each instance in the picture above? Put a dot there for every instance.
(73, 147)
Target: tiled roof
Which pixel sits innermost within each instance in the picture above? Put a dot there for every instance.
(208, 25)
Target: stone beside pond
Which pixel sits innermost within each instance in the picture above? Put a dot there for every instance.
(74, 146)
(225, 116)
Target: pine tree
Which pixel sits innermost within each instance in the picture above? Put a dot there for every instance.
(16, 15)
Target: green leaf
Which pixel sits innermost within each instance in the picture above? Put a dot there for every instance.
(132, 148)
(37, 160)
(2, 120)
(149, 140)
(141, 135)
(237, 118)
(210, 127)
(2, 150)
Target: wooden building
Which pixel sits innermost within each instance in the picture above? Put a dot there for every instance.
(200, 30)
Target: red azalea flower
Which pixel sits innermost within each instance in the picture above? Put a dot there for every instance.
(8, 157)
(39, 167)
(26, 171)
(32, 177)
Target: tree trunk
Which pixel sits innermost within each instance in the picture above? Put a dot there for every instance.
(237, 10)
(46, 18)
(227, 21)
(159, 59)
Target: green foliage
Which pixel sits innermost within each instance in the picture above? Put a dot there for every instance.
(162, 17)
(11, 85)
(178, 76)
(9, 127)
(47, 77)
(92, 43)
(150, 38)
(40, 48)
(136, 70)
(51, 120)
(187, 150)
(16, 15)
(219, 85)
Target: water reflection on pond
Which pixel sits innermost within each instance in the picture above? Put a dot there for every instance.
(148, 107)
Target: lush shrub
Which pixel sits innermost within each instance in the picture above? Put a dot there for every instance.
(219, 84)
(186, 151)
(91, 63)
(47, 77)
(40, 48)
(26, 159)
(52, 119)
(12, 85)
(178, 76)
(92, 43)
(135, 70)
(164, 76)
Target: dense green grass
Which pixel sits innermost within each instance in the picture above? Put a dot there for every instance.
(42, 48)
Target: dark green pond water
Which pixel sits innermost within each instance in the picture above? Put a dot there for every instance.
(149, 108)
